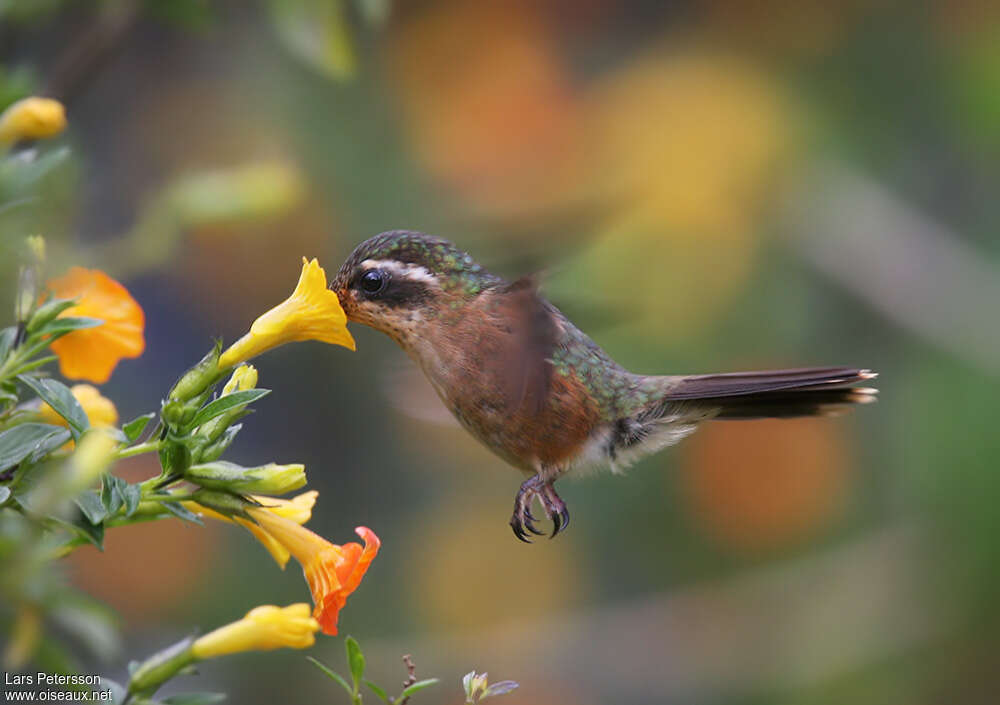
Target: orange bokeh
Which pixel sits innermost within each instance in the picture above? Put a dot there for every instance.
(761, 485)
(93, 353)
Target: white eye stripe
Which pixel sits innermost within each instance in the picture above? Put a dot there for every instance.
(403, 270)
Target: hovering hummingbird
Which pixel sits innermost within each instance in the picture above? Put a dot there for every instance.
(533, 388)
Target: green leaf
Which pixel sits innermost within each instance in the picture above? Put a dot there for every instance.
(194, 699)
(111, 493)
(4, 493)
(331, 675)
(134, 428)
(180, 512)
(226, 403)
(47, 312)
(31, 441)
(378, 691)
(132, 495)
(35, 364)
(355, 659)
(94, 533)
(61, 399)
(417, 687)
(61, 326)
(90, 504)
(7, 336)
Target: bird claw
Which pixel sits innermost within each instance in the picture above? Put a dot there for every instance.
(523, 520)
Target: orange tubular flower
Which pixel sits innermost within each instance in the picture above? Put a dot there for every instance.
(92, 353)
(332, 572)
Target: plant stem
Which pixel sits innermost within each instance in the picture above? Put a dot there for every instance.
(149, 447)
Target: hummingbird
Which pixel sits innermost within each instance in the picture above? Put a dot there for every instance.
(535, 389)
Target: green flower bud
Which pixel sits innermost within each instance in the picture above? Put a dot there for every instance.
(161, 667)
(199, 378)
(225, 503)
(175, 458)
(215, 447)
(272, 479)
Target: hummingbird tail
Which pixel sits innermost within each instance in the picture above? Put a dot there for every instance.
(816, 391)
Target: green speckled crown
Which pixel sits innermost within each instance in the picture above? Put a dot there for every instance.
(454, 267)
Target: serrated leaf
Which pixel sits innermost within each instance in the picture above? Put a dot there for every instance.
(92, 507)
(226, 403)
(332, 675)
(134, 428)
(378, 691)
(355, 659)
(4, 493)
(132, 495)
(61, 399)
(31, 441)
(194, 699)
(418, 686)
(180, 512)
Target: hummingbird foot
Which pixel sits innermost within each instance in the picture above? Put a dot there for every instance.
(523, 521)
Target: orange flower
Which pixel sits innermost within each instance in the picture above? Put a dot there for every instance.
(332, 572)
(92, 353)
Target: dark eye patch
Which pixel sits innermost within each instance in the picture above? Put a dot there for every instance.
(396, 292)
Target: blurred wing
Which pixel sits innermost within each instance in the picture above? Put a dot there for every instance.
(525, 353)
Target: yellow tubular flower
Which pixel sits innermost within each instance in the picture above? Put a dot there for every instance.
(100, 410)
(244, 378)
(333, 572)
(263, 629)
(297, 509)
(32, 118)
(312, 312)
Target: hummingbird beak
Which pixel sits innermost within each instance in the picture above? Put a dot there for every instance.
(345, 296)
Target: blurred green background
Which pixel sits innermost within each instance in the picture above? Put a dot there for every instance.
(710, 185)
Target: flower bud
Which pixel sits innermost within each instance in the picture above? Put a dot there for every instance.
(161, 667)
(217, 445)
(199, 378)
(244, 378)
(262, 629)
(175, 458)
(267, 479)
(225, 503)
(32, 118)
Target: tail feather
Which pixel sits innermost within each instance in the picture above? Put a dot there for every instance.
(814, 391)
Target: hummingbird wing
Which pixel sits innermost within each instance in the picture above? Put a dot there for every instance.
(526, 350)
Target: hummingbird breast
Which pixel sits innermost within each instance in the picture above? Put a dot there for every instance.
(498, 374)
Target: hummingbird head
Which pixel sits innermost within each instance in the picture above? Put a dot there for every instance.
(397, 280)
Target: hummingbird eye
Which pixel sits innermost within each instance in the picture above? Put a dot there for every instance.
(373, 281)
